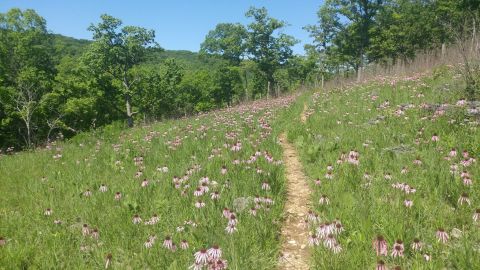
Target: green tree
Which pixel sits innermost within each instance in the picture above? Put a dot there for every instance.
(26, 73)
(116, 52)
(267, 48)
(227, 40)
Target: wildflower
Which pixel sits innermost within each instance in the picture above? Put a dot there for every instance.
(108, 260)
(318, 182)
(148, 243)
(467, 181)
(397, 250)
(427, 257)
(168, 243)
(329, 175)
(201, 257)
(214, 252)
(230, 229)
(48, 212)
(330, 241)
(118, 196)
(476, 215)
(380, 246)
(95, 234)
(367, 176)
(387, 176)
(336, 248)
(232, 220)
(223, 171)
(199, 204)
(253, 211)
(87, 193)
(313, 240)
(215, 195)
(453, 152)
(144, 183)
(417, 244)
(381, 265)
(184, 244)
(435, 138)
(417, 161)
(442, 235)
(324, 200)
(338, 228)
(329, 167)
(85, 230)
(408, 203)
(464, 199)
(226, 212)
(198, 192)
(404, 170)
(136, 219)
(265, 186)
(103, 188)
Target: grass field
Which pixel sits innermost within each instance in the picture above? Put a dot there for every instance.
(393, 165)
(70, 206)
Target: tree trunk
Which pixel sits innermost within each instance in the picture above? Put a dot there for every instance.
(444, 49)
(269, 85)
(128, 100)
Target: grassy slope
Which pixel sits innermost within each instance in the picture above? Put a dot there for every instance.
(34, 241)
(347, 120)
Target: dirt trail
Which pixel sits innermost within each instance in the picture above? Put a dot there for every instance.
(295, 251)
(303, 116)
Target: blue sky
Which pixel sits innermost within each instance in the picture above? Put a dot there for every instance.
(179, 25)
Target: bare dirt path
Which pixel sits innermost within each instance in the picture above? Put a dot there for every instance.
(303, 116)
(295, 252)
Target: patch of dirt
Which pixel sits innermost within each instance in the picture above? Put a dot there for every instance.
(303, 116)
(295, 251)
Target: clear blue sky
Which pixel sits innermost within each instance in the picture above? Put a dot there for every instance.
(179, 25)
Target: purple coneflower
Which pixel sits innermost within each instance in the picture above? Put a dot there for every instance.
(464, 199)
(381, 265)
(442, 235)
(3, 241)
(201, 257)
(324, 200)
(404, 170)
(87, 193)
(232, 220)
(313, 240)
(103, 188)
(417, 244)
(380, 246)
(330, 241)
(215, 195)
(435, 138)
(476, 215)
(397, 250)
(108, 260)
(453, 152)
(230, 229)
(337, 248)
(144, 183)
(265, 186)
(214, 252)
(253, 211)
(184, 244)
(95, 234)
(199, 204)
(48, 212)
(148, 243)
(118, 196)
(408, 203)
(136, 219)
(198, 192)
(168, 243)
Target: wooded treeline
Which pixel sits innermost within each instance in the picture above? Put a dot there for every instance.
(53, 86)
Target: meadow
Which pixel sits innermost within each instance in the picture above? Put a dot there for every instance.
(392, 164)
(208, 189)
(395, 162)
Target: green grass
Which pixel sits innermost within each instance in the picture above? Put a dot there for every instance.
(351, 120)
(33, 182)
(340, 121)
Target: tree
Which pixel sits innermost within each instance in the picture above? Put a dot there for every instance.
(26, 72)
(116, 51)
(227, 40)
(346, 39)
(268, 50)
